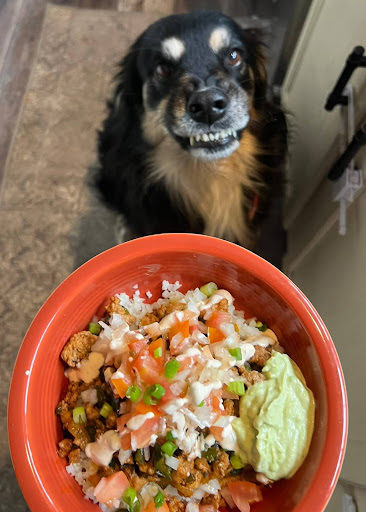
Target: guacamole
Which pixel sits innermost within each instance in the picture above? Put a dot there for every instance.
(276, 420)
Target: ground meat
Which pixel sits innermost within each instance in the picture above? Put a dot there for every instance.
(222, 466)
(114, 306)
(75, 456)
(137, 482)
(174, 504)
(223, 305)
(261, 356)
(149, 318)
(147, 467)
(72, 395)
(78, 347)
(65, 416)
(251, 377)
(202, 465)
(214, 499)
(92, 412)
(106, 471)
(187, 477)
(229, 406)
(166, 309)
(64, 447)
(111, 421)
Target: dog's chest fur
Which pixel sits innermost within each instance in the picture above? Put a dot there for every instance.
(213, 190)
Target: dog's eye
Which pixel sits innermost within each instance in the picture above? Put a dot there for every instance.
(163, 71)
(234, 58)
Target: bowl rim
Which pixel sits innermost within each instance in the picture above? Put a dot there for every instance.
(337, 429)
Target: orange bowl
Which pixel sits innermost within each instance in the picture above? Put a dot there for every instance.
(259, 288)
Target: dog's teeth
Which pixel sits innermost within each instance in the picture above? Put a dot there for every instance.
(198, 137)
(223, 134)
(235, 134)
(191, 140)
(217, 136)
(211, 136)
(205, 137)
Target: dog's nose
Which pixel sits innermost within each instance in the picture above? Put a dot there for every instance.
(207, 106)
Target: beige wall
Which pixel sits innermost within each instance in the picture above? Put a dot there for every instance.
(330, 269)
(333, 277)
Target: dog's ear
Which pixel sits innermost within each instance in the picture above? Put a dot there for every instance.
(253, 40)
(125, 107)
(128, 92)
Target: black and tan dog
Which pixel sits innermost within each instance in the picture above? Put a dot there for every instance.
(190, 143)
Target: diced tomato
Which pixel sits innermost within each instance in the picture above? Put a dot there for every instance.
(121, 386)
(215, 335)
(147, 367)
(179, 328)
(169, 395)
(217, 433)
(214, 401)
(244, 493)
(141, 437)
(126, 441)
(137, 345)
(218, 318)
(142, 408)
(122, 420)
(111, 488)
(193, 328)
(152, 508)
(156, 345)
(227, 497)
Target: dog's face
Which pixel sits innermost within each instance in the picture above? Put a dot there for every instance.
(198, 74)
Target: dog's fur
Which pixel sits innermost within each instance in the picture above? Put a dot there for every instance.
(149, 171)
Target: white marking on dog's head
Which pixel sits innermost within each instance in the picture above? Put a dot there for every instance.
(173, 48)
(219, 39)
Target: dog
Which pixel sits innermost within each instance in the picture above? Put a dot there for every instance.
(190, 143)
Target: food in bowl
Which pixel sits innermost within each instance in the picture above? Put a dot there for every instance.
(181, 404)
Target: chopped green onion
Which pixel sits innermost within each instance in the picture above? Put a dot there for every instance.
(169, 448)
(201, 404)
(208, 289)
(78, 415)
(158, 352)
(129, 496)
(133, 393)
(236, 387)
(210, 454)
(261, 326)
(236, 352)
(169, 436)
(106, 410)
(157, 391)
(236, 461)
(148, 399)
(136, 506)
(159, 499)
(171, 368)
(94, 328)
